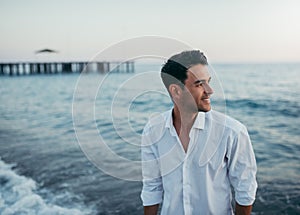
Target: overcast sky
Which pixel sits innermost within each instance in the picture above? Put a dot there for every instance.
(227, 31)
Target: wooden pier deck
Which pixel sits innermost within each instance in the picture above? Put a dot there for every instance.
(31, 68)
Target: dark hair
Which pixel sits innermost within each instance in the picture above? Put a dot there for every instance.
(175, 69)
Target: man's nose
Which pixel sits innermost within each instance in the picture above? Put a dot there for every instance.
(208, 90)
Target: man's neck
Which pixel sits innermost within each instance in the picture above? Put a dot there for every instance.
(182, 120)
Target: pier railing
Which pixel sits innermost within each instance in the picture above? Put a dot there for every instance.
(30, 68)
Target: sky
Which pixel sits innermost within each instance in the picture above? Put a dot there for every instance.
(226, 31)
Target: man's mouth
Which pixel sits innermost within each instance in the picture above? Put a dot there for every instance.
(206, 99)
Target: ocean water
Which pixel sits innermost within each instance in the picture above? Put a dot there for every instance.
(51, 161)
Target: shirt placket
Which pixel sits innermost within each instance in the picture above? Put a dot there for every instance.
(187, 188)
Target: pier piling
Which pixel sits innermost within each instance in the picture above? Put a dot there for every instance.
(31, 68)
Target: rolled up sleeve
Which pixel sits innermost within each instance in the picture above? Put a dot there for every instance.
(242, 168)
(152, 191)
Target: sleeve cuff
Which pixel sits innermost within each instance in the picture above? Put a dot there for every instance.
(151, 198)
(244, 199)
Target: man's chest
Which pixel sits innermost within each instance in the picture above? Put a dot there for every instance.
(204, 151)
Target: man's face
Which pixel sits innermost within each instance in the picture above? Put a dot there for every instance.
(196, 95)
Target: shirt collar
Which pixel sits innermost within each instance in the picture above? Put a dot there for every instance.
(199, 121)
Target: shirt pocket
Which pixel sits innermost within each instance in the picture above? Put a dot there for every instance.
(215, 165)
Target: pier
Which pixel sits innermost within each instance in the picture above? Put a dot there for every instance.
(31, 68)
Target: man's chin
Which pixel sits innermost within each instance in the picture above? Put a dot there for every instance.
(204, 109)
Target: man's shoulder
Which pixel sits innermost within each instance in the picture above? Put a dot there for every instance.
(227, 121)
(156, 122)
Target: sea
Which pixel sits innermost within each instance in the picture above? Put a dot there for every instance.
(70, 143)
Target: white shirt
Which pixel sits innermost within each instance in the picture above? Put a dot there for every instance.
(197, 182)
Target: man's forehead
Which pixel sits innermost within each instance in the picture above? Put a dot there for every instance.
(198, 71)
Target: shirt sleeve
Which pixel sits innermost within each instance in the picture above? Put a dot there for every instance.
(242, 168)
(152, 191)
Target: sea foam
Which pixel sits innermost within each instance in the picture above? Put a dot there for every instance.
(18, 196)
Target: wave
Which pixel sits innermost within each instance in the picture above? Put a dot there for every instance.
(18, 196)
(281, 107)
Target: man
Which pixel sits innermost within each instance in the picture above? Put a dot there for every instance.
(192, 155)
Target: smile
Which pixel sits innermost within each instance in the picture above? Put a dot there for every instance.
(206, 100)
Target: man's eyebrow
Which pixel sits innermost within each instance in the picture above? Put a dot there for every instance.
(203, 80)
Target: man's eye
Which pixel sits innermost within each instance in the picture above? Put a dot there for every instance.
(199, 84)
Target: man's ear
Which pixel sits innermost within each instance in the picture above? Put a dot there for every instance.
(175, 90)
